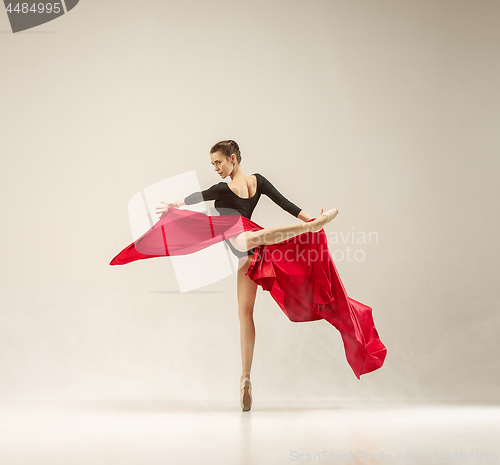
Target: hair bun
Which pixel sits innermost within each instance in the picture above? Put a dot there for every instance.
(227, 147)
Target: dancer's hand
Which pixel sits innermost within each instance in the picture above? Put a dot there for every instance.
(165, 207)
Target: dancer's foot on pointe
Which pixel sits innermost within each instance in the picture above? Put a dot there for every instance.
(322, 220)
(245, 391)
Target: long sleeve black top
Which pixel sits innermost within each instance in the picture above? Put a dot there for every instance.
(226, 201)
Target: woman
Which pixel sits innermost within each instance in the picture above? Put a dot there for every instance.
(240, 196)
(292, 262)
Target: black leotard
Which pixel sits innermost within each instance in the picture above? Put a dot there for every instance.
(229, 203)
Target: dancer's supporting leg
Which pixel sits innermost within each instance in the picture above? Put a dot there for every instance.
(246, 299)
(246, 290)
(268, 236)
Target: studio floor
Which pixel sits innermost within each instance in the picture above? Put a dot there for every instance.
(72, 432)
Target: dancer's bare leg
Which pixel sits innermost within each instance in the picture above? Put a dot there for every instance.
(268, 236)
(247, 290)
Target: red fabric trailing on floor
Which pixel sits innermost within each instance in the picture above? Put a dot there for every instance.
(299, 273)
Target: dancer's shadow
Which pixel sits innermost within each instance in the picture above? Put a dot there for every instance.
(187, 292)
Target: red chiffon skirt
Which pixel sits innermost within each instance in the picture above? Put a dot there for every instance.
(299, 273)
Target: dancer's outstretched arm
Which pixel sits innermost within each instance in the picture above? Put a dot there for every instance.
(279, 199)
(304, 216)
(212, 193)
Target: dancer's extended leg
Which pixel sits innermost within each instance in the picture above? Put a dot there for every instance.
(268, 236)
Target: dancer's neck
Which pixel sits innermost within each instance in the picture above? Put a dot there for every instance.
(237, 175)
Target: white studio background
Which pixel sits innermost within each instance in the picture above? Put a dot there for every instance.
(387, 110)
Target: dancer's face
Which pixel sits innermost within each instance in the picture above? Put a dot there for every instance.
(223, 166)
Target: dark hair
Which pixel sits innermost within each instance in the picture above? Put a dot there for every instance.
(227, 148)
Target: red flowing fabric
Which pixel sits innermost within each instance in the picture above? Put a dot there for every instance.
(299, 273)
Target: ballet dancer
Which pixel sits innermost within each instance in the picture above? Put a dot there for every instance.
(240, 196)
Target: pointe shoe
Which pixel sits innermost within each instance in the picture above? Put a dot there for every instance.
(322, 220)
(245, 394)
